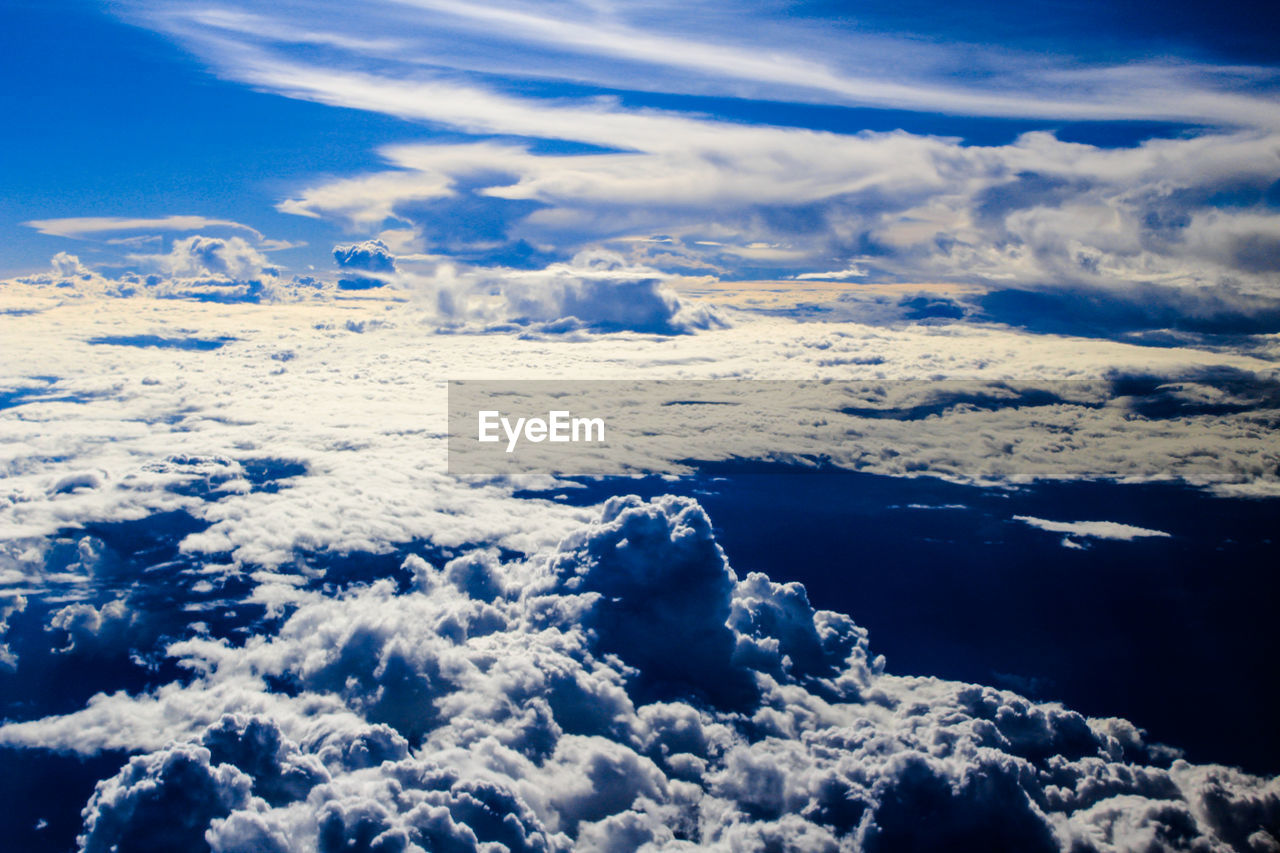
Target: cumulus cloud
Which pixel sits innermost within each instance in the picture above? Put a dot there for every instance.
(88, 628)
(370, 256)
(163, 800)
(542, 716)
(198, 267)
(596, 290)
(10, 604)
(194, 257)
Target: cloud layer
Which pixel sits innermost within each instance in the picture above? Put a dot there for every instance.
(592, 702)
(1188, 211)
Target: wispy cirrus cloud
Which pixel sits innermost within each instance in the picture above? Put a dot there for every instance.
(726, 49)
(88, 227)
(1092, 529)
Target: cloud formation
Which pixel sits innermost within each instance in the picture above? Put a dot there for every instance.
(596, 291)
(1092, 529)
(370, 256)
(666, 47)
(1143, 225)
(589, 702)
(214, 257)
(83, 227)
(1182, 222)
(207, 269)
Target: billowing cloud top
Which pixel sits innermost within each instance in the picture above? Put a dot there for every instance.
(632, 692)
(370, 256)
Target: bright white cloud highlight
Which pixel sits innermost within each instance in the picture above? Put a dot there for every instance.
(1093, 529)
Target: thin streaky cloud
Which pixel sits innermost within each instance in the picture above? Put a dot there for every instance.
(261, 26)
(1012, 85)
(1092, 529)
(84, 227)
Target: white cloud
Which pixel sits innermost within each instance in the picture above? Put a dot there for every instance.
(833, 275)
(595, 290)
(1035, 213)
(294, 382)
(668, 47)
(528, 717)
(83, 227)
(1092, 529)
(194, 257)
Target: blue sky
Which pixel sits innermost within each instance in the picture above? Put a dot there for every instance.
(516, 135)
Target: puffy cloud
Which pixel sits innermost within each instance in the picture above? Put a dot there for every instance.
(88, 628)
(280, 771)
(198, 267)
(163, 801)
(533, 725)
(464, 697)
(596, 290)
(1113, 227)
(370, 256)
(66, 265)
(210, 268)
(192, 257)
(9, 605)
(677, 635)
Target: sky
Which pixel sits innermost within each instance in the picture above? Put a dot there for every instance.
(993, 570)
(1074, 146)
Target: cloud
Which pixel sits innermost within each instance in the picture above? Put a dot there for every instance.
(370, 256)
(192, 257)
(10, 604)
(1132, 309)
(1123, 238)
(1092, 529)
(544, 716)
(163, 800)
(596, 291)
(197, 267)
(88, 628)
(664, 47)
(679, 638)
(187, 423)
(833, 275)
(1039, 213)
(85, 227)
